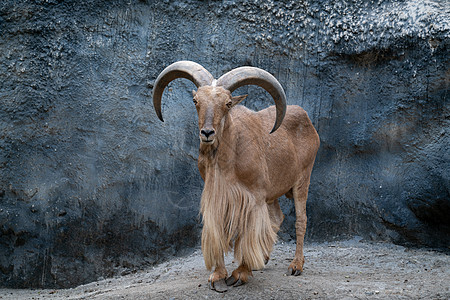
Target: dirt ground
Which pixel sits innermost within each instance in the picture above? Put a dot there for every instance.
(336, 270)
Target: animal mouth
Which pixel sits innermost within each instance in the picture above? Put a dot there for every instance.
(207, 141)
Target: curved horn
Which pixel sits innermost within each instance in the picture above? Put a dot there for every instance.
(254, 76)
(180, 69)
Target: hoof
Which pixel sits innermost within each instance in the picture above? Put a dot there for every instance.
(239, 276)
(296, 267)
(231, 281)
(293, 272)
(219, 286)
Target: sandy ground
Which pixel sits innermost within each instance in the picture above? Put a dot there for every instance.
(339, 270)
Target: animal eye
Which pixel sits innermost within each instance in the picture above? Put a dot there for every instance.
(229, 104)
(195, 101)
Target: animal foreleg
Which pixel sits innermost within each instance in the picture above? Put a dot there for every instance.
(239, 276)
(217, 278)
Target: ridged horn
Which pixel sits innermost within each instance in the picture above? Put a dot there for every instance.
(254, 76)
(180, 69)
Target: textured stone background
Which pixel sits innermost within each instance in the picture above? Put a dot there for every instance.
(92, 184)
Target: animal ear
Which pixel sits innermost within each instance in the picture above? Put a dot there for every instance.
(236, 100)
(193, 97)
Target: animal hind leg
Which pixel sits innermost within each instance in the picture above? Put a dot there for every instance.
(276, 218)
(275, 214)
(300, 193)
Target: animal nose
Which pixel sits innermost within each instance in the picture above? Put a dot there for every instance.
(207, 132)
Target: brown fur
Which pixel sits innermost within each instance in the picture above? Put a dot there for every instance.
(245, 170)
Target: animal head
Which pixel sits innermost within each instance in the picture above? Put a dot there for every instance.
(213, 104)
(213, 99)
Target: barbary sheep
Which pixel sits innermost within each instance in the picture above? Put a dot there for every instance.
(245, 168)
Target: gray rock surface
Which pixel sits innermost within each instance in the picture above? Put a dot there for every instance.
(92, 184)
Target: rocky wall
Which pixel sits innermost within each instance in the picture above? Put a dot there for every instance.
(93, 185)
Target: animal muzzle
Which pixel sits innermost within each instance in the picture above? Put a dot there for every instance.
(207, 135)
